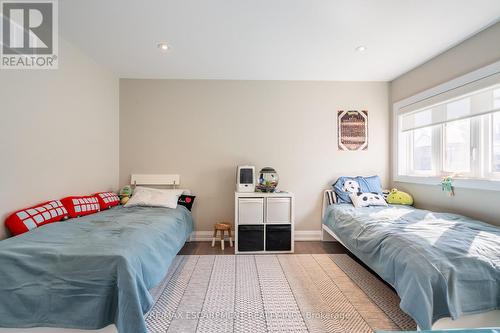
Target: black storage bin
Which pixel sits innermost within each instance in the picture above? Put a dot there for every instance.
(278, 237)
(250, 237)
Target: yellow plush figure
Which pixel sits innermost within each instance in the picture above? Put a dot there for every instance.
(124, 200)
(399, 197)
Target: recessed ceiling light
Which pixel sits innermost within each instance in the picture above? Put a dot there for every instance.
(361, 48)
(163, 46)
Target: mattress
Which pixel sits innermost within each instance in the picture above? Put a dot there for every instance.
(440, 264)
(90, 272)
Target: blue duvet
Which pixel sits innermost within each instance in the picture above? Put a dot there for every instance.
(441, 265)
(92, 271)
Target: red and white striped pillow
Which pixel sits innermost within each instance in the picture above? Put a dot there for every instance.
(81, 205)
(30, 218)
(107, 199)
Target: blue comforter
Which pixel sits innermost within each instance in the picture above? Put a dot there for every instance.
(92, 271)
(441, 265)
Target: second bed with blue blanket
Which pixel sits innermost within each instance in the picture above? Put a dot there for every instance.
(441, 265)
(92, 271)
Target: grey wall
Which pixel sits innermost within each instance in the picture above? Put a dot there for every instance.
(58, 131)
(203, 129)
(476, 52)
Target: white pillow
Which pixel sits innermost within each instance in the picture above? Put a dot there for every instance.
(142, 188)
(152, 197)
(367, 199)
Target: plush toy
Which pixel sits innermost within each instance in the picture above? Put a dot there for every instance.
(447, 186)
(126, 191)
(399, 197)
(125, 194)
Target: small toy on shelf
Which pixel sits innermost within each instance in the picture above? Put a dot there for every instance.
(399, 197)
(447, 186)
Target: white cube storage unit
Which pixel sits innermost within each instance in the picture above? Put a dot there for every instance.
(264, 222)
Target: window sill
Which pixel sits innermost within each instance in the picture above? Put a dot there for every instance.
(477, 184)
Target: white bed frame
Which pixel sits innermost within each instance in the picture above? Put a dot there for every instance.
(155, 180)
(490, 319)
(135, 179)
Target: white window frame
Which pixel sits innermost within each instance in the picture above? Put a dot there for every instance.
(410, 163)
(487, 184)
(476, 163)
(487, 156)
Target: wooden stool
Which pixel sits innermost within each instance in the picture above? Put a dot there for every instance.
(222, 227)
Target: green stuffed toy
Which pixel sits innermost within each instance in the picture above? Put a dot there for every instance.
(399, 197)
(125, 194)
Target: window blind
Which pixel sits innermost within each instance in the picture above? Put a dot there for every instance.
(471, 100)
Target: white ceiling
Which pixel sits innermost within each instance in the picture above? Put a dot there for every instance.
(270, 39)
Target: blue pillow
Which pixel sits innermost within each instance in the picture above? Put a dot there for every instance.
(344, 186)
(373, 184)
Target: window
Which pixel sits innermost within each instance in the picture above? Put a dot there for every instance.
(495, 134)
(455, 133)
(422, 150)
(457, 146)
(495, 138)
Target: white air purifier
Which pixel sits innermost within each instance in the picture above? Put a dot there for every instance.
(245, 178)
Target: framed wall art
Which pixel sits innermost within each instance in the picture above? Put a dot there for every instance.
(352, 129)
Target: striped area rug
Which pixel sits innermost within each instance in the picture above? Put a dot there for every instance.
(273, 293)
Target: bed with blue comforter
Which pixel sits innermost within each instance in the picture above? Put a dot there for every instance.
(90, 272)
(440, 264)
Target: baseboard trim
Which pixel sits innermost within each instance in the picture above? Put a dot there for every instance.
(300, 236)
(201, 236)
(307, 235)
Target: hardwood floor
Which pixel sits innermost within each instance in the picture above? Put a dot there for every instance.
(313, 247)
